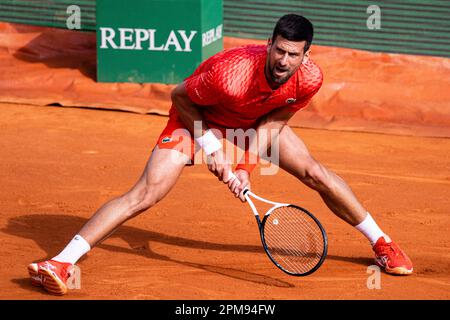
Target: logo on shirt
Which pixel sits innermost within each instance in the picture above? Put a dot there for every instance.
(166, 139)
(291, 100)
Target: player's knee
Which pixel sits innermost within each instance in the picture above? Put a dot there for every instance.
(150, 199)
(317, 176)
(141, 199)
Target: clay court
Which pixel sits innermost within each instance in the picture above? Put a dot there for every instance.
(60, 164)
(69, 143)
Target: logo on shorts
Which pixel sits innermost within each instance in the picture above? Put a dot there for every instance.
(166, 139)
(291, 100)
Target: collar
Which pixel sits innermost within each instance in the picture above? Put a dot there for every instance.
(263, 84)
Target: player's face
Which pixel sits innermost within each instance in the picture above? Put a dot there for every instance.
(283, 59)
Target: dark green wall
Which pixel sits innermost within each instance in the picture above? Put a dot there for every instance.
(47, 12)
(409, 26)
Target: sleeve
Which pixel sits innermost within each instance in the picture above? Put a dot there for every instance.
(302, 102)
(203, 88)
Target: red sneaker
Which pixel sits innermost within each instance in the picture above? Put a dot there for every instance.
(50, 274)
(33, 271)
(390, 257)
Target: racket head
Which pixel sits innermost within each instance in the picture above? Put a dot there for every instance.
(294, 239)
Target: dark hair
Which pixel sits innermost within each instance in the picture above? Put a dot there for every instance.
(294, 27)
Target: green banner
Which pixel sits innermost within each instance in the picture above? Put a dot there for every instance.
(155, 40)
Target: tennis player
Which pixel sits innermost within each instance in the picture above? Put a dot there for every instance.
(256, 87)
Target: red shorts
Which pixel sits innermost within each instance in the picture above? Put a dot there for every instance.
(176, 136)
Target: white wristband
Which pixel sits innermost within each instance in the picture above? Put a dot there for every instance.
(209, 143)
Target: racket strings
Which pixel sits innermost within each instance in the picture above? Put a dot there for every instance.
(294, 239)
(298, 254)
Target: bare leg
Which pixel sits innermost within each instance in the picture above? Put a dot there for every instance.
(159, 176)
(337, 195)
(295, 159)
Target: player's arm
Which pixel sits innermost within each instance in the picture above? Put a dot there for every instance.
(189, 114)
(187, 109)
(267, 131)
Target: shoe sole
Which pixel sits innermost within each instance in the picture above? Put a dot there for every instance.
(401, 271)
(36, 279)
(52, 283)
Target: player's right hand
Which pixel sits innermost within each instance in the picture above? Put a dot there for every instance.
(219, 165)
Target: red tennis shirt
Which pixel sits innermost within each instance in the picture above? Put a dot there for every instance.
(232, 90)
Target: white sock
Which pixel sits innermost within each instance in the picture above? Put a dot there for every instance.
(369, 228)
(76, 248)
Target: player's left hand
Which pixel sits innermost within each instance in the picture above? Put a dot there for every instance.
(238, 185)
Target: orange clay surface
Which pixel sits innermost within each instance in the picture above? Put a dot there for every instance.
(58, 165)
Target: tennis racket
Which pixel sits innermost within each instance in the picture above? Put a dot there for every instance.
(292, 237)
